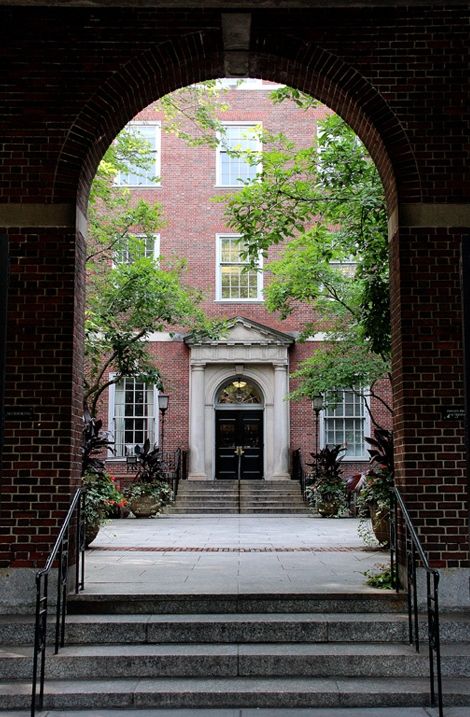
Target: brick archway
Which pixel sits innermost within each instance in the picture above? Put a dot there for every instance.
(397, 75)
(319, 74)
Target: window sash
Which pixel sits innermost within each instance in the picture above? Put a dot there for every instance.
(346, 424)
(234, 171)
(235, 282)
(138, 177)
(151, 249)
(132, 415)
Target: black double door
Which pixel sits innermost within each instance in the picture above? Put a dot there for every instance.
(239, 445)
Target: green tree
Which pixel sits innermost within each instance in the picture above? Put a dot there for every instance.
(192, 113)
(128, 300)
(325, 204)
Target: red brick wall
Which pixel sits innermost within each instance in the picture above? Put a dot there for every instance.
(41, 458)
(74, 77)
(431, 470)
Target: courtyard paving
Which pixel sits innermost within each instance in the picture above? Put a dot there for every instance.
(230, 554)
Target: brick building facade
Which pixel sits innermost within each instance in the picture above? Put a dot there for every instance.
(74, 75)
(263, 352)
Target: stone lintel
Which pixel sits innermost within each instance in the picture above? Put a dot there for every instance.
(431, 216)
(39, 216)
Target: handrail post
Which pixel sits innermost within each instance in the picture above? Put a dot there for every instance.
(414, 552)
(415, 597)
(59, 554)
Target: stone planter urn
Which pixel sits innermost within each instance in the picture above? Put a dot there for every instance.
(380, 525)
(144, 506)
(328, 508)
(91, 531)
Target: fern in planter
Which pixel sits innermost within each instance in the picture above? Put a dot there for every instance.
(327, 490)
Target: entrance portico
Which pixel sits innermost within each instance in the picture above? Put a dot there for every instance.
(260, 354)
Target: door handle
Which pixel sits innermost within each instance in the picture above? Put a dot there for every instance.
(239, 451)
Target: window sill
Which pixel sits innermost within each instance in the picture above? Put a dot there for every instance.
(355, 459)
(238, 301)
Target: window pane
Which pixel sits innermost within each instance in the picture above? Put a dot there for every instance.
(136, 176)
(235, 166)
(133, 419)
(236, 280)
(344, 423)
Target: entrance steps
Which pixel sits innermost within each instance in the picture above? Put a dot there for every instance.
(234, 651)
(233, 497)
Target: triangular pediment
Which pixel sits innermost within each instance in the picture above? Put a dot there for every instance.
(248, 332)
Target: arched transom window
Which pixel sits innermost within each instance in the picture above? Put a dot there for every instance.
(239, 391)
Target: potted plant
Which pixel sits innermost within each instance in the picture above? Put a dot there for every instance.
(326, 489)
(375, 497)
(101, 499)
(102, 496)
(149, 491)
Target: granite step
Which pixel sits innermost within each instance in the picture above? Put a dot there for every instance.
(232, 692)
(96, 661)
(190, 509)
(243, 603)
(232, 627)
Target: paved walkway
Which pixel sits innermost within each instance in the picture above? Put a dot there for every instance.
(230, 554)
(258, 712)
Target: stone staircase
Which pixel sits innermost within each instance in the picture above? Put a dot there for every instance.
(233, 651)
(227, 496)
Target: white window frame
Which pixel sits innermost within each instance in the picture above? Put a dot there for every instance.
(111, 419)
(146, 183)
(323, 418)
(139, 235)
(218, 168)
(218, 273)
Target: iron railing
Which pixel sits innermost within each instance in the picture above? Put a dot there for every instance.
(414, 555)
(299, 473)
(60, 553)
(171, 466)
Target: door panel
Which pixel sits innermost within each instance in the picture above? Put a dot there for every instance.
(239, 445)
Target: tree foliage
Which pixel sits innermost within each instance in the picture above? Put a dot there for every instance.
(192, 113)
(127, 300)
(325, 204)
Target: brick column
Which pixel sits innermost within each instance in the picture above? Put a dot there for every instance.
(429, 387)
(44, 353)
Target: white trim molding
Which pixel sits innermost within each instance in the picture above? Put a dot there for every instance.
(260, 354)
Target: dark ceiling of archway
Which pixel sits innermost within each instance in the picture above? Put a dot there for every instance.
(229, 4)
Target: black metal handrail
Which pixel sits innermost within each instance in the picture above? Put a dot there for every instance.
(60, 552)
(178, 469)
(415, 554)
(299, 473)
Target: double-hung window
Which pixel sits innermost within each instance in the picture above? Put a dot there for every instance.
(346, 422)
(238, 154)
(132, 415)
(136, 246)
(236, 280)
(136, 176)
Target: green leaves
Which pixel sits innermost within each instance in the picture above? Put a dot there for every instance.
(325, 205)
(341, 364)
(193, 113)
(129, 293)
